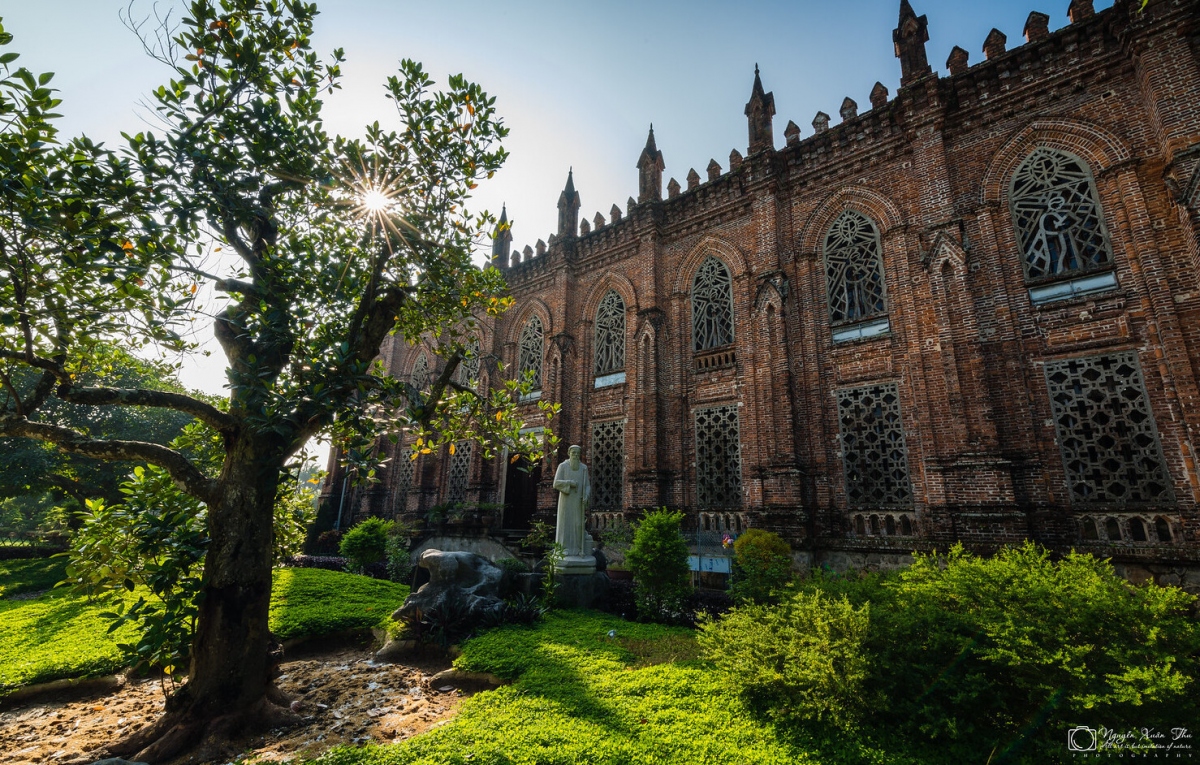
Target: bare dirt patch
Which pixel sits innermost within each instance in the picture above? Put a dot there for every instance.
(344, 696)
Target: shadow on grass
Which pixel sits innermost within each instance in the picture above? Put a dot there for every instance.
(18, 577)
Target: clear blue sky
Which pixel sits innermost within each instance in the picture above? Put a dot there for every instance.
(578, 83)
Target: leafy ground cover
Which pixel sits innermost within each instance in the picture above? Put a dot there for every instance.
(60, 635)
(311, 601)
(18, 577)
(593, 688)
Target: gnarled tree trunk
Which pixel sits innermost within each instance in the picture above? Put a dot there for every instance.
(230, 683)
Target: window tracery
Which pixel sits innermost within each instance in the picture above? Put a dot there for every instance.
(1106, 432)
(1057, 215)
(854, 269)
(531, 351)
(874, 454)
(607, 465)
(610, 334)
(420, 373)
(718, 457)
(467, 373)
(460, 467)
(712, 306)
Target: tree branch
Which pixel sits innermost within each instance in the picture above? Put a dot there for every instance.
(186, 476)
(206, 413)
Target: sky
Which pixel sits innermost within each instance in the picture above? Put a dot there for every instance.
(578, 84)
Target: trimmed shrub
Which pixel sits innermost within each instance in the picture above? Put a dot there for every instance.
(801, 661)
(762, 566)
(658, 559)
(365, 543)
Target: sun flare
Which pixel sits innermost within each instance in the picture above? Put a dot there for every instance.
(375, 201)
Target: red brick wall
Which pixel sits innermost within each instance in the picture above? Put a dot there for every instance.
(931, 168)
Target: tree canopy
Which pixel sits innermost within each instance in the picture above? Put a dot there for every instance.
(304, 251)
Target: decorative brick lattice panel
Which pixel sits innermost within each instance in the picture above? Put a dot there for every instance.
(460, 468)
(874, 454)
(1106, 431)
(607, 466)
(712, 306)
(854, 269)
(610, 334)
(718, 457)
(402, 478)
(1057, 215)
(531, 351)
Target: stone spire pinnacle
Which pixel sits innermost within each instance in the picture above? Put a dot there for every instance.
(910, 37)
(501, 239)
(650, 169)
(759, 111)
(568, 208)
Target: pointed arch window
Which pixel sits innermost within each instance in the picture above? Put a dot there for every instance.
(610, 340)
(854, 271)
(1060, 226)
(712, 306)
(420, 373)
(467, 373)
(531, 351)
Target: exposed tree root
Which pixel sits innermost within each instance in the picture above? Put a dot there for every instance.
(182, 731)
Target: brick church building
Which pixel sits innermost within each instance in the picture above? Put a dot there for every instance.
(970, 312)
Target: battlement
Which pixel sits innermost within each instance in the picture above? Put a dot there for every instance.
(858, 141)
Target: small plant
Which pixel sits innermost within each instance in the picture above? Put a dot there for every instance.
(658, 559)
(365, 543)
(550, 582)
(803, 661)
(762, 566)
(512, 566)
(540, 535)
(525, 609)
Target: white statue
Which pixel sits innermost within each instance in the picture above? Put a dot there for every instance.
(574, 488)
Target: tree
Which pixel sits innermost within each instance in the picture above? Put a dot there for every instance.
(320, 246)
(30, 468)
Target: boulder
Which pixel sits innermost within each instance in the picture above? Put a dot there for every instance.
(463, 581)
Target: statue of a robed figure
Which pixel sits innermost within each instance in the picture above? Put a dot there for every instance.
(574, 490)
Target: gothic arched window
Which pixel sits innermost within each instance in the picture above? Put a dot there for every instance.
(712, 306)
(1057, 216)
(854, 269)
(610, 334)
(531, 351)
(420, 373)
(468, 369)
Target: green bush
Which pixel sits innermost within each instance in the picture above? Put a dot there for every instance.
(1021, 632)
(762, 566)
(997, 655)
(365, 543)
(658, 559)
(801, 661)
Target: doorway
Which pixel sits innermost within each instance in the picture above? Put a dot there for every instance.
(520, 493)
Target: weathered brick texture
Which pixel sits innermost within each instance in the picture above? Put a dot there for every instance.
(965, 343)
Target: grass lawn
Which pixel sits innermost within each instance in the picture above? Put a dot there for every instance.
(61, 635)
(581, 696)
(30, 575)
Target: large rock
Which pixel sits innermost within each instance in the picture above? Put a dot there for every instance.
(461, 580)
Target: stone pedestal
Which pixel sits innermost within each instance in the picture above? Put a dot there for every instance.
(582, 590)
